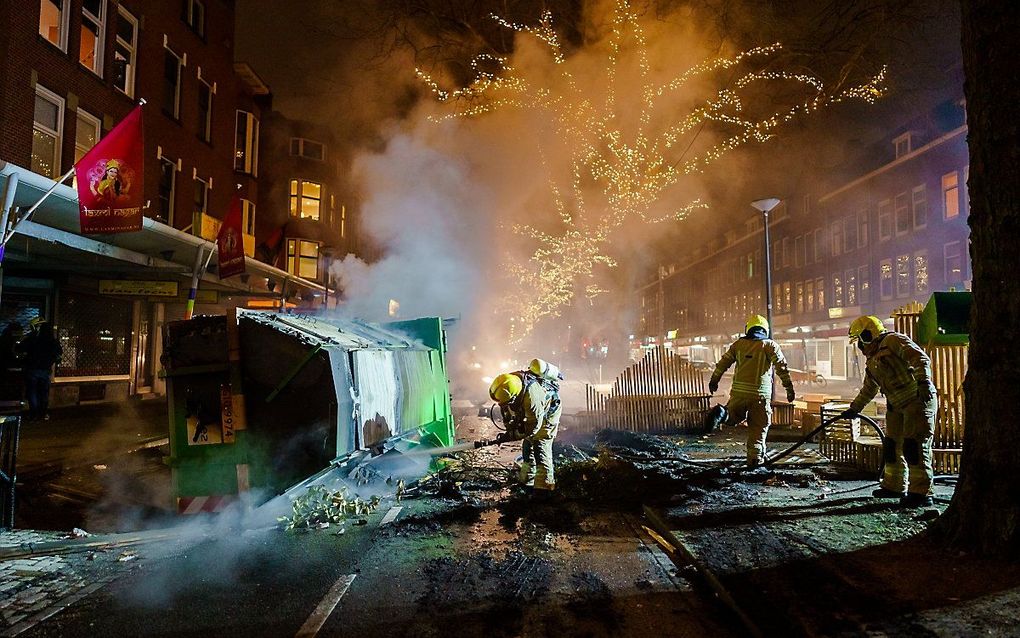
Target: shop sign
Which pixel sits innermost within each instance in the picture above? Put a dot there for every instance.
(138, 288)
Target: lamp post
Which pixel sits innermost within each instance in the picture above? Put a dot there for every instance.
(766, 206)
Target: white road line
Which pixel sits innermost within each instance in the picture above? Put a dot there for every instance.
(326, 606)
(390, 516)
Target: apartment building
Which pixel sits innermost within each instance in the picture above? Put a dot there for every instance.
(891, 233)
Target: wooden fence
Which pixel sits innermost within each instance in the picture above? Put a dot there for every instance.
(660, 393)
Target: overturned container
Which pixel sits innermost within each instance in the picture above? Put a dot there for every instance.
(315, 391)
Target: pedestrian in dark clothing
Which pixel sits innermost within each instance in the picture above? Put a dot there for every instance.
(41, 350)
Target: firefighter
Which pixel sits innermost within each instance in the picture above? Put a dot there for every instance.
(901, 370)
(751, 394)
(530, 403)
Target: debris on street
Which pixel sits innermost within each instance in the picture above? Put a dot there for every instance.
(320, 507)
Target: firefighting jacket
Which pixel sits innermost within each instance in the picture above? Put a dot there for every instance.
(754, 359)
(896, 365)
(535, 407)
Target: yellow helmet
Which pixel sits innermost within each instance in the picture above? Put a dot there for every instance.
(756, 321)
(865, 329)
(505, 387)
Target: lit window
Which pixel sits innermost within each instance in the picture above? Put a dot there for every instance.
(125, 50)
(850, 280)
(864, 283)
(166, 191)
(903, 275)
(246, 144)
(205, 98)
(343, 221)
(787, 297)
(172, 83)
(885, 228)
(919, 202)
(837, 291)
(809, 292)
(193, 14)
(53, 22)
(902, 214)
(303, 258)
(47, 132)
(951, 195)
(93, 35)
(305, 199)
(885, 279)
(800, 297)
(953, 254)
(921, 272)
(86, 133)
(820, 291)
(300, 147)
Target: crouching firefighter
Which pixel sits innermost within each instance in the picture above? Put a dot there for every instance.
(530, 404)
(751, 394)
(901, 370)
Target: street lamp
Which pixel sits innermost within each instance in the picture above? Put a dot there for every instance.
(766, 206)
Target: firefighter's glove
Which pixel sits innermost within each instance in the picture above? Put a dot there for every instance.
(790, 395)
(848, 414)
(713, 386)
(924, 392)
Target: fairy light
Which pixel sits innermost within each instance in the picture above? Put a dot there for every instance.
(631, 172)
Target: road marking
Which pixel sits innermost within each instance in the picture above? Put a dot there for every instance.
(390, 516)
(326, 606)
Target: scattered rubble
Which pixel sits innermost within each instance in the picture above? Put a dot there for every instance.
(320, 507)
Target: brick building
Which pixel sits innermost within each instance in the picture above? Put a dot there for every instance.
(890, 232)
(70, 70)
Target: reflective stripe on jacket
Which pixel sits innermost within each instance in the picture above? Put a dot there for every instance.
(754, 359)
(896, 365)
(527, 414)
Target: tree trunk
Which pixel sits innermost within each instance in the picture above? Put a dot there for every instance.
(985, 513)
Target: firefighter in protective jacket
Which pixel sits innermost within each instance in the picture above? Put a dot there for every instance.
(751, 394)
(530, 404)
(902, 371)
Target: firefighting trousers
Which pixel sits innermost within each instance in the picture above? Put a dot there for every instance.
(907, 449)
(758, 412)
(537, 464)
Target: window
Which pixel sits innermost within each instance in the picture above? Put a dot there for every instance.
(903, 275)
(798, 251)
(53, 22)
(201, 201)
(921, 271)
(864, 284)
(953, 255)
(837, 237)
(809, 292)
(171, 83)
(86, 133)
(849, 233)
(850, 281)
(93, 35)
(205, 97)
(248, 217)
(902, 214)
(787, 294)
(951, 195)
(193, 14)
(246, 144)
(777, 297)
(300, 147)
(777, 255)
(902, 145)
(837, 291)
(165, 193)
(305, 199)
(820, 291)
(800, 297)
(919, 203)
(47, 132)
(303, 258)
(885, 279)
(787, 253)
(125, 49)
(819, 245)
(885, 229)
(863, 227)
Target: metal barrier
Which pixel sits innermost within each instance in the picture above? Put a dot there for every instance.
(10, 429)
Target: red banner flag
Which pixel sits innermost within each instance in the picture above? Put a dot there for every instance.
(230, 242)
(110, 179)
